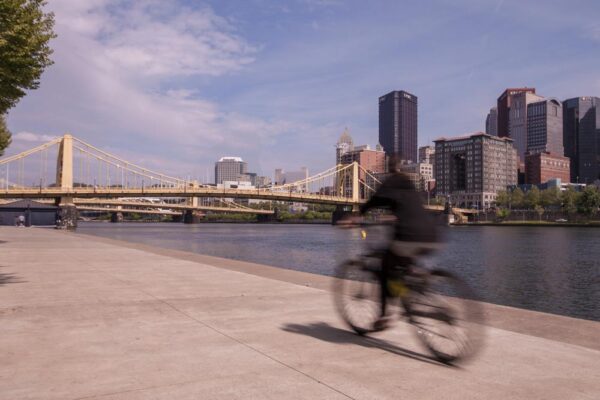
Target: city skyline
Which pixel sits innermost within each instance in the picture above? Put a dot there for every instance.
(281, 97)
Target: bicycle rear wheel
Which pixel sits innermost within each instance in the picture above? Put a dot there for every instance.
(357, 295)
(447, 317)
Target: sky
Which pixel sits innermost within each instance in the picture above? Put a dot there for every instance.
(175, 85)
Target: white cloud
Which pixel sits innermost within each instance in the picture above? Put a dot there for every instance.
(126, 74)
(151, 38)
(32, 137)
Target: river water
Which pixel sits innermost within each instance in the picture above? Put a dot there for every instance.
(549, 269)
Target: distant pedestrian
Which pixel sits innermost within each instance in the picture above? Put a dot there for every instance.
(21, 220)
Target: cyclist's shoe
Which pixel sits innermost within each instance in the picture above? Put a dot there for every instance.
(381, 324)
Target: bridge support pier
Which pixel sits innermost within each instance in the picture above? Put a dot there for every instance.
(116, 217)
(66, 217)
(192, 217)
(266, 218)
(341, 212)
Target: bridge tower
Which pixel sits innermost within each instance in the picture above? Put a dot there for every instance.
(355, 187)
(349, 179)
(192, 216)
(67, 212)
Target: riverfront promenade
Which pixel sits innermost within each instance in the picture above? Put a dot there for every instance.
(91, 318)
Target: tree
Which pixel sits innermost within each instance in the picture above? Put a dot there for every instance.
(569, 200)
(503, 199)
(4, 135)
(502, 213)
(516, 198)
(589, 201)
(532, 198)
(25, 31)
(550, 197)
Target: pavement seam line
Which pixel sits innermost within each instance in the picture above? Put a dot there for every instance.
(229, 337)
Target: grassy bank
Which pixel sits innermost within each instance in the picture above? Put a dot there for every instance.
(536, 223)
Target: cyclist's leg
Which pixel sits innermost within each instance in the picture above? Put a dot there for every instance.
(399, 259)
(389, 264)
(385, 262)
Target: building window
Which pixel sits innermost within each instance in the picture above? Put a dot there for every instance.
(460, 169)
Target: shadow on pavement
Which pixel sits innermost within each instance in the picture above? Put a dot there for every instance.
(328, 333)
(9, 278)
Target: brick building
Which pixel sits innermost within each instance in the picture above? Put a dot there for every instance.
(542, 167)
(472, 169)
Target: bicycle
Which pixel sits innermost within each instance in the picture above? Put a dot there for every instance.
(444, 310)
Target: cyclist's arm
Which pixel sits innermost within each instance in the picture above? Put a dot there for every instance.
(376, 201)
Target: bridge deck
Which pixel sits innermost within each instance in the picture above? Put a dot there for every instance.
(257, 194)
(175, 192)
(86, 318)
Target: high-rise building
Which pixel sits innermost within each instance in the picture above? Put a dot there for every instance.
(343, 145)
(295, 176)
(229, 169)
(503, 108)
(541, 167)
(545, 127)
(398, 125)
(370, 160)
(279, 176)
(581, 137)
(263, 181)
(426, 154)
(282, 177)
(491, 122)
(472, 169)
(517, 121)
(421, 174)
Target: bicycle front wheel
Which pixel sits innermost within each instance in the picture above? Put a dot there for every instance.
(447, 317)
(357, 295)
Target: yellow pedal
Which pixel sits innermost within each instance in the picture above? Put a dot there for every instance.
(397, 288)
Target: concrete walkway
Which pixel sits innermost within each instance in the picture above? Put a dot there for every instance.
(85, 318)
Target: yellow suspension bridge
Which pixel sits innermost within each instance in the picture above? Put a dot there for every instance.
(85, 177)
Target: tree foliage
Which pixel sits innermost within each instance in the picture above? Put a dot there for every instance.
(550, 197)
(4, 135)
(532, 198)
(569, 201)
(25, 31)
(503, 198)
(517, 198)
(589, 201)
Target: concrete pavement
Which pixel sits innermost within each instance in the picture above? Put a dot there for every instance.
(87, 318)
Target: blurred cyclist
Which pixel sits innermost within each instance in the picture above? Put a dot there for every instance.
(415, 232)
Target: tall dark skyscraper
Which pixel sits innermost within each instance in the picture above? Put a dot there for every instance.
(581, 137)
(545, 127)
(398, 125)
(503, 109)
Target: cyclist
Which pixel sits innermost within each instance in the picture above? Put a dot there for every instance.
(415, 232)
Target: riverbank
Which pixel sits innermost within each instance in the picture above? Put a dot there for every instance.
(84, 317)
(290, 221)
(594, 224)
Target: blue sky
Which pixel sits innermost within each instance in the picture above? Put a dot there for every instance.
(176, 85)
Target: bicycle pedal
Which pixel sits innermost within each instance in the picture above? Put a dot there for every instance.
(397, 288)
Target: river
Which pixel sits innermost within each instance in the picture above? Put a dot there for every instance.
(549, 269)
